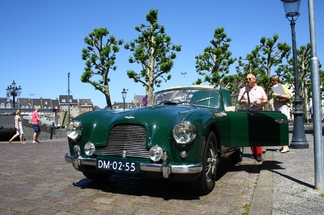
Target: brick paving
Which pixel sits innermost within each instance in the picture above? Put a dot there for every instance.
(35, 179)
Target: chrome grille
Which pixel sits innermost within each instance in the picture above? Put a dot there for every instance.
(129, 138)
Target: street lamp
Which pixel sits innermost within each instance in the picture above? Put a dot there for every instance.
(69, 111)
(124, 93)
(13, 91)
(184, 78)
(32, 101)
(298, 139)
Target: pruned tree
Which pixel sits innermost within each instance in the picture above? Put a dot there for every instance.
(154, 51)
(266, 57)
(245, 66)
(286, 71)
(214, 63)
(100, 57)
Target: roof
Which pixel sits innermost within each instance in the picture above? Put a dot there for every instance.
(24, 102)
(46, 103)
(64, 99)
(55, 103)
(85, 102)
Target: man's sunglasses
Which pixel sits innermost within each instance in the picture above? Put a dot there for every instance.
(248, 79)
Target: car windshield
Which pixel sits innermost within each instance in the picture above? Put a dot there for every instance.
(208, 97)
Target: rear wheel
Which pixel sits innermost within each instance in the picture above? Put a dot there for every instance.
(206, 181)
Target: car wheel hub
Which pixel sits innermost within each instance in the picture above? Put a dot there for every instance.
(211, 165)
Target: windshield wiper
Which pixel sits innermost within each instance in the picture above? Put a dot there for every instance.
(204, 99)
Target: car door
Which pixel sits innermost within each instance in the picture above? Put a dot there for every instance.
(253, 128)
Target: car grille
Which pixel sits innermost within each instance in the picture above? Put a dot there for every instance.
(129, 138)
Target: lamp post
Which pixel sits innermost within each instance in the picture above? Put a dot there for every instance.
(184, 78)
(316, 99)
(32, 102)
(298, 139)
(69, 111)
(13, 91)
(124, 93)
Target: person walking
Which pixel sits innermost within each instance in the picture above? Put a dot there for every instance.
(19, 128)
(281, 97)
(253, 94)
(36, 121)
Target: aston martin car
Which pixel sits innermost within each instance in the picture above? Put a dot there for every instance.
(181, 135)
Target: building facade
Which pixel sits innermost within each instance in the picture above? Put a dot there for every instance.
(62, 104)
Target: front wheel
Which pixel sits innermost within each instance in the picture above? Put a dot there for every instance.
(206, 181)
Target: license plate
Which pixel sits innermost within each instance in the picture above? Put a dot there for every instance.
(116, 165)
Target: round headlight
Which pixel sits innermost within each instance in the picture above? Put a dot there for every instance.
(74, 130)
(184, 132)
(156, 153)
(89, 148)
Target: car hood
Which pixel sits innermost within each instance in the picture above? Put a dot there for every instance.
(157, 120)
(157, 114)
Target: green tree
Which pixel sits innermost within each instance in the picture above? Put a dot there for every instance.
(100, 57)
(286, 72)
(266, 57)
(245, 66)
(154, 51)
(214, 63)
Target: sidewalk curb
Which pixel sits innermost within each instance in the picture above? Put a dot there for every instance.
(262, 197)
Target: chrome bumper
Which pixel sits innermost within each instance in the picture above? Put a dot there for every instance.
(165, 168)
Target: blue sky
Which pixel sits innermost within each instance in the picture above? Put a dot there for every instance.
(41, 41)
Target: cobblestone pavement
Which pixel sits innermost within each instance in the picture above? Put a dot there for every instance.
(35, 179)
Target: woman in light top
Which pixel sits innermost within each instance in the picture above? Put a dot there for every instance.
(19, 128)
(280, 102)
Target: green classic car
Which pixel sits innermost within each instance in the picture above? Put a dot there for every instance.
(182, 135)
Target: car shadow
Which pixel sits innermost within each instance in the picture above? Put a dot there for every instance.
(166, 189)
(138, 186)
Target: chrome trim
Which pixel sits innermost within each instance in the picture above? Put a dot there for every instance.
(124, 154)
(281, 121)
(178, 169)
(129, 117)
(131, 138)
(220, 114)
(164, 168)
(79, 161)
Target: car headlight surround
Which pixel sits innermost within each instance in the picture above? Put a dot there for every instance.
(89, 149)
(74, 130)
(156, 153)
(184, 132)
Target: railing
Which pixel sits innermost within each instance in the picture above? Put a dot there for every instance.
(12, 111)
